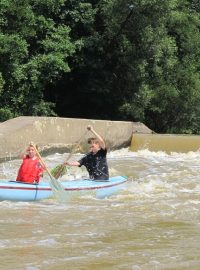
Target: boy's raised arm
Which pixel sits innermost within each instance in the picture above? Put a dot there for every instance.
(101, 140)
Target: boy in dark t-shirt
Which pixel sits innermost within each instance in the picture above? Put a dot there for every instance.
(95, 161)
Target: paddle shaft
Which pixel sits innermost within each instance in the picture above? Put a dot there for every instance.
(57, 175)
(69, 156)
(42, 162)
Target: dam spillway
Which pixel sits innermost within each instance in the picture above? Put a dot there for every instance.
(56, 134)
(165, 142)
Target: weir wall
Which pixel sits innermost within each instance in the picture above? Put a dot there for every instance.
(55, 134)
(165, 142)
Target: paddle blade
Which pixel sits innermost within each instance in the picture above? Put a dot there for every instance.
(59, 171)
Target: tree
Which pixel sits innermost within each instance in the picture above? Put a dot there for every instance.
(34, 49)
(132, 60)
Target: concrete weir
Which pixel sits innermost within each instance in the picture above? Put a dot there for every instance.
(59, 134)
(165, 142)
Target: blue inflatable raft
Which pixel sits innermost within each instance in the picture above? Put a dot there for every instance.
(16, 191)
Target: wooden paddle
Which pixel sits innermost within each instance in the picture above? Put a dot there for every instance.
(55, 185)
(60, 170)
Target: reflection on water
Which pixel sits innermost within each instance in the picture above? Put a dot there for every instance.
(154, 223)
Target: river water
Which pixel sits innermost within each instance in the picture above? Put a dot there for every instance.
(154, 223)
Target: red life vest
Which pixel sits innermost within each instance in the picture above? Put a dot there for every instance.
(30, 170)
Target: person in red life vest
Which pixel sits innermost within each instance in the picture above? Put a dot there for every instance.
(30, 170)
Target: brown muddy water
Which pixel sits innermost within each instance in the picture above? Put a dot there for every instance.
(153, 223)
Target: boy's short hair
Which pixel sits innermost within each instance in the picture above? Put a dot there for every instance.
(93, 140)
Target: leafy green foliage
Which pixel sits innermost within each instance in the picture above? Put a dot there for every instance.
(34, 49)
(132, 60)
